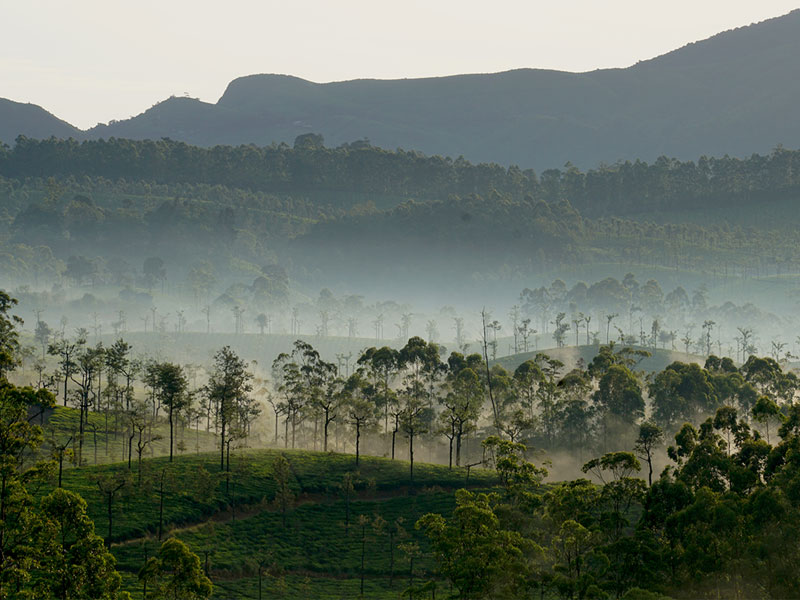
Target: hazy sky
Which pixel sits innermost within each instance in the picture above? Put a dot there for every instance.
(90, 61)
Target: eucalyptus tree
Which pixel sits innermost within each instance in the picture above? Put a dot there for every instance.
(618, 400)
(42, 335)
(65, 351)
(574, 412)
(421, 367)
(650, 438)
(120, 364)
(382, 366)
(172, 390)
(287, 381)
(360, 407)
(228, 388)
(462, 405)
(527, 379)
(87, 361)
(330, 398)
(318, 385)
(548, 393)
(413, 423)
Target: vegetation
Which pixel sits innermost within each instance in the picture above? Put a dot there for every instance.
(273, 470)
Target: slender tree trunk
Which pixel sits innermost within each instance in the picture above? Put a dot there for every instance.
(130, 449)
(394, 433)
(450, 452)
(325, 433)
(171, 429)
(358, 440)
(411, 457)
(222, 446)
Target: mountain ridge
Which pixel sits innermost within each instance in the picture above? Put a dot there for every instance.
(733, 93)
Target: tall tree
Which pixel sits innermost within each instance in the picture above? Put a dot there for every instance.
(228, 387)
(172, 390)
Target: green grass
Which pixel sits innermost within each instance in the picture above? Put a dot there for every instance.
(313, 555)
(62, 424)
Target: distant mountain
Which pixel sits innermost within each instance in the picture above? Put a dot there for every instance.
(735, 93)
(33, 121)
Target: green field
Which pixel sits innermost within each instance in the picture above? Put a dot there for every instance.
(231, 521)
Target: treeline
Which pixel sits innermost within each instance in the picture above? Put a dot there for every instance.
(494, 225)
(624, 188)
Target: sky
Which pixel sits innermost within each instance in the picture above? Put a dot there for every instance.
(90, 61)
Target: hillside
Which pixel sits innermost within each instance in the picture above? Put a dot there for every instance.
(733, 93)
(33, 121)
(233, 527)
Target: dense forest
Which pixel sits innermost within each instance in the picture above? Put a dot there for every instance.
(622, 189)
(316, 211)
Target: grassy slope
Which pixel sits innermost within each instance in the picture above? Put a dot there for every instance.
(62, 425)
(312, 556)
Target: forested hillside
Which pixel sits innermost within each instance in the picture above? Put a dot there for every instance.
(359, 172)
(312, 210)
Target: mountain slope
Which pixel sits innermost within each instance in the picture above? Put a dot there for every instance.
(735, 93)
(33, 121)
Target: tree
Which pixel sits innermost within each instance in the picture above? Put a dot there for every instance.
(19, 439)
(474, 552)
(175, 572)
(620, 490)
(361, 411)
(413, 424)
(9, 338)
(680, 393)
(141, 422)
(110, 486)
(329, 397)
(382, 365)
(74, 562)
(283, 494)
(462, 404)
(88, 362)
(485, 342)
(172, 391)
(766, 411)
(42, 335)
(65, 351)
(228, 387)
(650, 437)
(619, 398)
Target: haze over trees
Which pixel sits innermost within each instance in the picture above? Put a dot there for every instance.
(328, 369)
